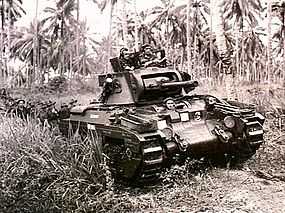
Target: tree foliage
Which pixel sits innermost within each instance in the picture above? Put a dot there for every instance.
(58, 34)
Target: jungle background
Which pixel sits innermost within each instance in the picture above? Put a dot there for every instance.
(234, 48)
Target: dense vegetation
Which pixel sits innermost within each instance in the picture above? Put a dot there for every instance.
(207, 38)
(43, 172)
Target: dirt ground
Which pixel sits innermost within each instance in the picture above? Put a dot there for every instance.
(251, 194)
(241, 191)
(222, 191)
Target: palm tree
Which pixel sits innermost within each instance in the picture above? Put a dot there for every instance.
(120, 22)
(253, 48)
(124, 23)
(112, 3)
(278, 9)
(170, 20)
(224, 52)
(211, 40)
(77, 30)
(269, 43)
(59, 24)
(136, 26)
(200, 10)
(244, 13)
(146, 36)
(88, 49)
(130, 24)
(188, 36)
(14, 11)
(11, 11)
(23, 47)
(165, 16)
(177, 32)
(36, 48)
(3, 63)
(86, 63)
(103, 56)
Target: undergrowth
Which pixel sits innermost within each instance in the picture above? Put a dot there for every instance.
(43, 172)
(269, 160)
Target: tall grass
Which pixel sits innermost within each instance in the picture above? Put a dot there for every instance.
(43, 172)
(40, 171)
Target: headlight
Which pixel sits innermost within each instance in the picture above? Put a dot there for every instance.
(229, 122)
(212, 100)
(168, 132)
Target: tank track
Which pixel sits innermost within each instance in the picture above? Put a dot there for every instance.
(153, 158)
(150, 167)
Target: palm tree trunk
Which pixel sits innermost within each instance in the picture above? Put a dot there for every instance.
(189, 57)
(109, 51)
(182, 58)
(136, 27)
(218, 28)
(254, 69)
(242, 62)
(223, 51)
(9, 37)
(211, 40)
(41, 66)
(48, 65)
(2, 40)
(167, 37)
(62, 36)
(237, 51)
(195, 57)
(84, 59)
(195, 50)
(283, 70)
(269, 44)
(71, 63)
(77, 32)
(35, 46)
(1, 55)
(125, 24)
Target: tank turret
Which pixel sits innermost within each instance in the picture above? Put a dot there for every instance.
(147, 120)
(150, 85)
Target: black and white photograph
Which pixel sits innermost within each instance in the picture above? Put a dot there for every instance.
(156, 106)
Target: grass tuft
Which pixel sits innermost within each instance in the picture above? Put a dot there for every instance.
(43, 172)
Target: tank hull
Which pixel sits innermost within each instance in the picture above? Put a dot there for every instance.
(140, 143)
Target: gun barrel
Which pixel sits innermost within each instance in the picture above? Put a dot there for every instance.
(181, 84)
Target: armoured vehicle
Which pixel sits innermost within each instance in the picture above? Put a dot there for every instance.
(147, 120)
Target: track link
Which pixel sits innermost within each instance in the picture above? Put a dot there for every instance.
(153, 157)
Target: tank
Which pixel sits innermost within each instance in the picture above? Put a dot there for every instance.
(148, 119)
